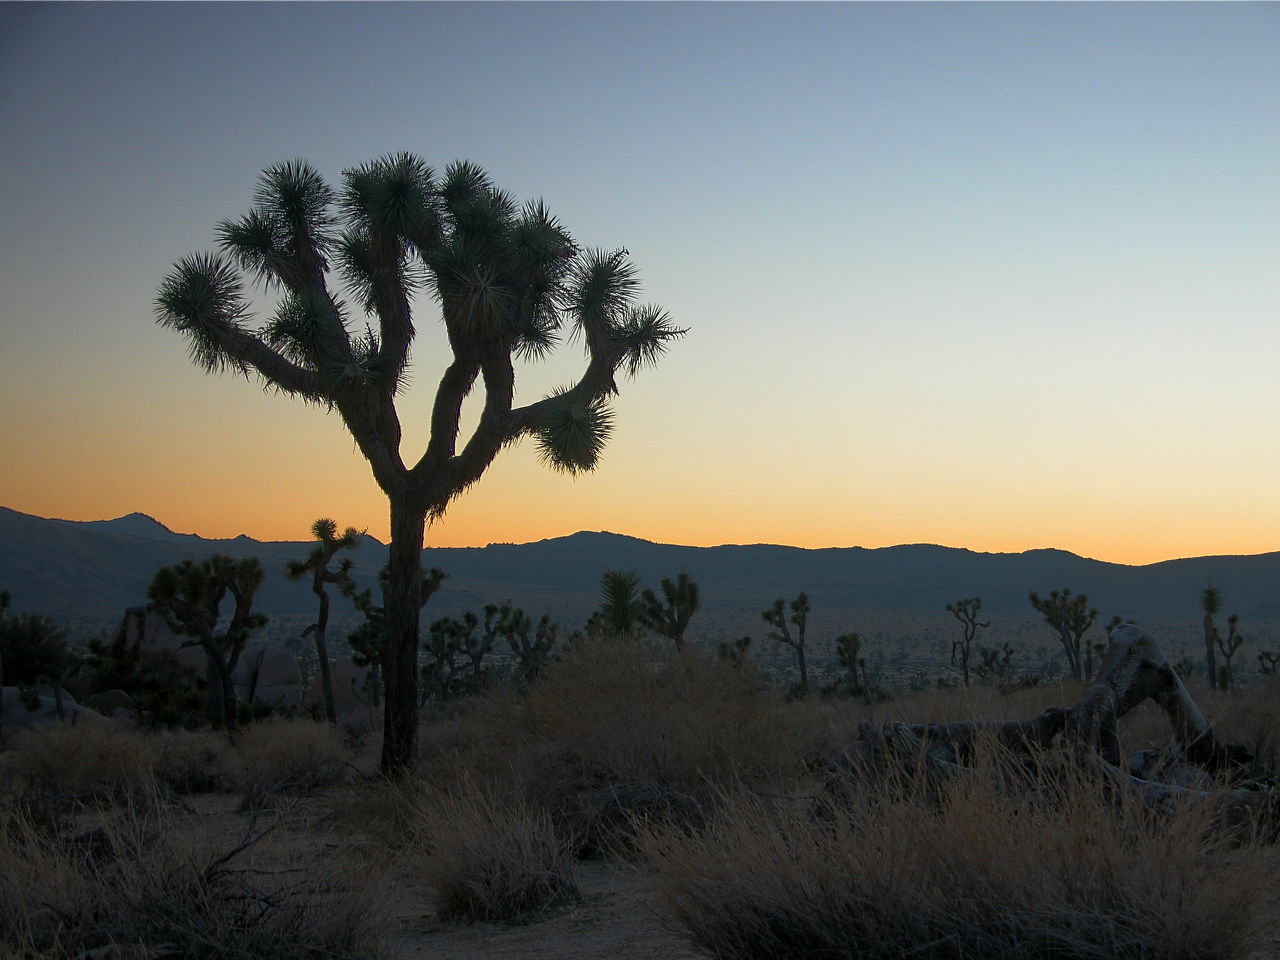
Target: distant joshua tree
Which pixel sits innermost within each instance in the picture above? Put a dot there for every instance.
(776, 617)
(1214, 642)
(1070, 617)
(509, 281)
(670, 616)
(531, 644)
(317, 565)
(619, 612)
(369, 639)
(966, 611)
(848, 648)
(189, 596)
(1211, 605)
(734, 652)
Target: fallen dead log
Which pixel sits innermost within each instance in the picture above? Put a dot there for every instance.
(1134, 669)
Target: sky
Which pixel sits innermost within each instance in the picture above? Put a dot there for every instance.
(995, 276)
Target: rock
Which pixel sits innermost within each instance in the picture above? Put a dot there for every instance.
(109, 701)
(15, 714)
(150, 631)
(272, 676)
(351, 700)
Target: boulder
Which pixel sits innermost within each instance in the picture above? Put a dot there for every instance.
(149, 630)
(272, 676)
(15, 714)
(351, 700)
(109, 701)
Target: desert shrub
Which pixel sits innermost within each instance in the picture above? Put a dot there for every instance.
(640, 713)
(1050, 872)
(489, 855)
(288, 756)
(191, 761)
(100, 761)
(128, 884)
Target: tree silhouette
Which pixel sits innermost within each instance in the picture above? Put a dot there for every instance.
(1211, 604)
(508, 280)
(619, 612)
(1070, 617)
(1228, 646)
(369, 639)
(189, 595)
(966, 611)
(317, 564)
(670, 616)
(531, 651)
(776, 617)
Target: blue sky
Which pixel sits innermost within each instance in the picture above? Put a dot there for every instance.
(991, 275)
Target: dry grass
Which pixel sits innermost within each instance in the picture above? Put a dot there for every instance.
(127, 885)
(288, 756)
(1052, 872)
(99, 762)
(490, 856)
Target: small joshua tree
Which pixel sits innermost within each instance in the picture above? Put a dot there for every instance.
(670, 616)
(993, 663)
(1070, 617)
(776, 617)
(966, 611)
(1228, 646)
(189, 596)
(1211, 605)
(317, 565)
(734, 652)
(531, 645)
(34, 650)
(1269, 663)
(367, 640)
(848, 646)
(619, 612)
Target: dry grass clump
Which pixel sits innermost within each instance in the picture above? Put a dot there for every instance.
(490, 856)
(1050, 872)
(288, 756)
(127, 887)
(637, 712)
(192, 761)
(87, 762)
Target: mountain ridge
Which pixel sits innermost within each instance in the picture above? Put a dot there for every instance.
(92, 570)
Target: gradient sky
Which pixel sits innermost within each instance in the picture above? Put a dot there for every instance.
(994, 276)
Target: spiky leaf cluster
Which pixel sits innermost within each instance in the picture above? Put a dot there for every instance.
(508, 279)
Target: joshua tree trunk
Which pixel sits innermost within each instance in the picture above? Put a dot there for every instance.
(1210, 660)
(322, 652)
(403, 605)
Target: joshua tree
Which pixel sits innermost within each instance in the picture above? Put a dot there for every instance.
(670, 616)
(1070, 617)
(530, 651)
(966, 611)
(4, 607)
(619, 612)
(1211, 604)
(993, 663)
(34, 650)
(508, 281)
(1228, 646)
(734, 652)
(776, 617)
(848, 646)
(369, 639)
(317, 564)
(189, 595)
(1269, 663)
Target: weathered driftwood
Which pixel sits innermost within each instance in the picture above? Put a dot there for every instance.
(1133, 670)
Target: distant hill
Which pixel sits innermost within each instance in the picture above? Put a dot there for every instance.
(93, 570)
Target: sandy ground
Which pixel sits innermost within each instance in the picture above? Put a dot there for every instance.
(619, 917)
